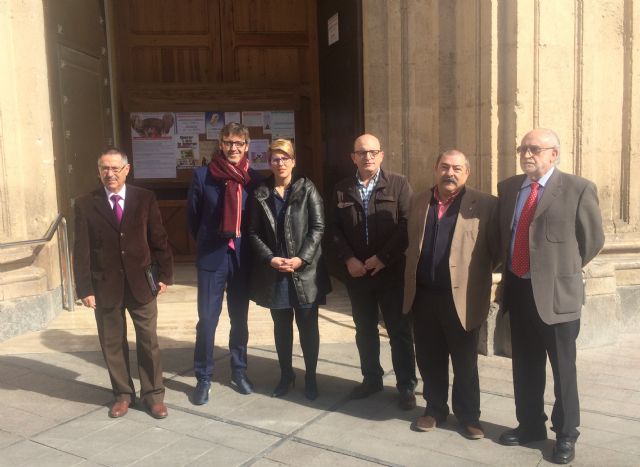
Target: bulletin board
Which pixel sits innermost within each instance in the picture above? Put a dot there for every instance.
(169, 145)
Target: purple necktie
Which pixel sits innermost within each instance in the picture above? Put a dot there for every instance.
(117, 209)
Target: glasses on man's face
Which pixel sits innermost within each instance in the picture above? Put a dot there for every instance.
(534, 150)
(280, 161)
(370, 153)
(116, 170)
(234, 144)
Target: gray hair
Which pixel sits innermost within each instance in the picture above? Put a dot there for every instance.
(113, 151)
(449, 152)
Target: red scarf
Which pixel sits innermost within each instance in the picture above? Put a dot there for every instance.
(234, 177)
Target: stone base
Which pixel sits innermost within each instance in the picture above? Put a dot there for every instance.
(32, 313)
(630, 307)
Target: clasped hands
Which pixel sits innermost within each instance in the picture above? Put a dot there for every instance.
(285, 264)
(357, 268)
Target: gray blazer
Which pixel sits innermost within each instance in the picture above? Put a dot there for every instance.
(565, 234)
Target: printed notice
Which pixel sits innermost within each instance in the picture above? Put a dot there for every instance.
(188, 151)
(215, 123)
(190, 123)
(333, 29)
(252, 118)
(154, 158)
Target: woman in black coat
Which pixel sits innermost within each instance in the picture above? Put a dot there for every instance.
(289, 275)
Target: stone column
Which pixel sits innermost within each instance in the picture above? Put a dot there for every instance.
(479, 75)
(30, 292)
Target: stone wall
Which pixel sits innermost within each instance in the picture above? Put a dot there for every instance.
(478, 75)
(30, 293)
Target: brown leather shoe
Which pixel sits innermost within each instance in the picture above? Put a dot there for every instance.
(426, 423)
(158, 410)
(473, 431)
(119, 409)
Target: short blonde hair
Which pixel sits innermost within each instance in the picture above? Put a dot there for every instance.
(282, 145)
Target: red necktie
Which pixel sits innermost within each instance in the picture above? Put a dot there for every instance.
(520, 257)
(117, 209)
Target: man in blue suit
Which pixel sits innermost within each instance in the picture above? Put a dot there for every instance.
(215, 214)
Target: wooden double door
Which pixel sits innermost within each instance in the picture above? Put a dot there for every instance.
(200, 56)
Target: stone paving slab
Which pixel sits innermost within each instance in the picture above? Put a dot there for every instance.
(55, 395)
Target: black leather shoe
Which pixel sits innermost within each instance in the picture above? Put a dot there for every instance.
(241, 383)
(201, 392)
(286, 380)
(365, 389)
(407, 399)
(519, 436)
(310, 387)
(564, 451)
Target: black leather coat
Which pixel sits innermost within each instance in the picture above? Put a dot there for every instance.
(303, 230)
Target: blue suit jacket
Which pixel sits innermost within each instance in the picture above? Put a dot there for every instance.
(204, 213)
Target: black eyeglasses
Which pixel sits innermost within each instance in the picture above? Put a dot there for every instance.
(534, 150)
(116, 170)
(234, 144)
(364, 154)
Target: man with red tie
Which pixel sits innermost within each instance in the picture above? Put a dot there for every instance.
(118, 233)
(550, 228)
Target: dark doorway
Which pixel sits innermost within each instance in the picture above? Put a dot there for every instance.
(80, 95)
(341, 94)
(341, 98)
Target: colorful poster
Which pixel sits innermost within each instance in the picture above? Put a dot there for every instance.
(258, 152)
(215, 123)
(190, 123)
(188, 151)
(151, 125)
(207, 149)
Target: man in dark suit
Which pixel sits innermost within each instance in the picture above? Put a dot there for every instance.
(119, 233)
(550, 228)
(452, 252)
(370, 233)
(215, 214)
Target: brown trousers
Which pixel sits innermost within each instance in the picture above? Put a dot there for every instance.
(112, 331)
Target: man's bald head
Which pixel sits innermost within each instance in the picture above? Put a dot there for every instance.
(367, 155)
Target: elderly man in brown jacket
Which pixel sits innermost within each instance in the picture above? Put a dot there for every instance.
(452, 253)
(118, 234)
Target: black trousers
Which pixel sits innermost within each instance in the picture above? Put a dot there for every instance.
(438, 334)
(532, 340)
(307, 322)
(367, 294)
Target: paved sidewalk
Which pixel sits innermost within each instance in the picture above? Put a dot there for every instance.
(55, 397)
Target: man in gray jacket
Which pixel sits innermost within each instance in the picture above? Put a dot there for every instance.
(550, 228)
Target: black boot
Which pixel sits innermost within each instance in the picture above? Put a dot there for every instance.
(286, 380)
(310, 387)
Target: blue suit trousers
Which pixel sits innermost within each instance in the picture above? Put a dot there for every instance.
(211, 286)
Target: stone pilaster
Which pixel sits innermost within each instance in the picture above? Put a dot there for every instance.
(479, 75)
(29, 276)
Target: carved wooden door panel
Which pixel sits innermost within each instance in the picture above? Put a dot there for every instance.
(80, 94)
